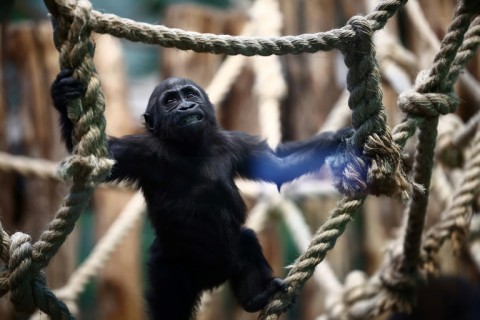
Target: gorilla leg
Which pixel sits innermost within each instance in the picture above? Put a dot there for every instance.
(252, 281)
(174, 292)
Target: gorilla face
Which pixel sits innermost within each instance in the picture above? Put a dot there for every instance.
(179, 110)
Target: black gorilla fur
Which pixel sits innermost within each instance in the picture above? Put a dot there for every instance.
(185, 164)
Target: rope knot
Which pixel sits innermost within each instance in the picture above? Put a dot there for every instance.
(362, 42)
(427, 105)
(376, 169)
(401, 285)
(90, 169)
(22, 273)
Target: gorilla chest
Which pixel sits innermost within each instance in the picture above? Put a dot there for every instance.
(197, 186)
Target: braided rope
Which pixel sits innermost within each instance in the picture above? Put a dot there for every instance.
(403, 131)
(392, 286)
(248, 46)
(323, 240)
(87, 167)
(458, 214)
(377, 167)
(370, 298)
(434, 82)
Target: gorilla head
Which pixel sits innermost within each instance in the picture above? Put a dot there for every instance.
(179, 110)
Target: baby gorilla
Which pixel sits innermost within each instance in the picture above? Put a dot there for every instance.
(185, 165)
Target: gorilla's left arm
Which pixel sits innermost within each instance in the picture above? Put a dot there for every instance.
(289, 160)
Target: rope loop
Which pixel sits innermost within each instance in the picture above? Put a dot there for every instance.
(22, 272)
(427, 105)
(401, 285)
(90, 169)
(362, 42)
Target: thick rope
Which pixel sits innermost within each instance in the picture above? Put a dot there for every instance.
(434, 82)
(381, 171)
(321, 243)
(389, 291)
(403, 131)
(248, 46)
(88, 166)
(372, 164)
(369, 299)
(302, 237)
(465, 52)
(398, 279)
(458, 214)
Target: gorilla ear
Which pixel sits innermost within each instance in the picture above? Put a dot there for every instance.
(148, 121)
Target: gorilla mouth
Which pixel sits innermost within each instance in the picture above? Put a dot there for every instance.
(192, 119)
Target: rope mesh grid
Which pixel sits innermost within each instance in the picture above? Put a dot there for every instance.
(371, 160)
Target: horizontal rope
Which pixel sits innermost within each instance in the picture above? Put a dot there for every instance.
(230, 45)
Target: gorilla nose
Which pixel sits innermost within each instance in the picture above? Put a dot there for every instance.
(187, 106)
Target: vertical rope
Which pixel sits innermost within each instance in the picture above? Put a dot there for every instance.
(372, 164)
(435, 82)
(89, 164)
(459, 211)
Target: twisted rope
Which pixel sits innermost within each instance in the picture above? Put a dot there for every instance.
(392, 287)
(375, 168)
(371, 298)
(458, 214)
(248, 46)
(87, 166)
(323, 240)
(356, 176)
(434, 82)
(403, 131)
(89, 163)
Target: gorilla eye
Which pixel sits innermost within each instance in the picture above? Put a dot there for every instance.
(170, 101)
(191, 95)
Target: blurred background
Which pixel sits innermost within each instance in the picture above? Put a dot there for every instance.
(309, 95)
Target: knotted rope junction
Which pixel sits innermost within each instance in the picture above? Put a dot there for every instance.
(371, 163)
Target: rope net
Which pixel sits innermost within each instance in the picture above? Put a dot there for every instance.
(371, 163)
